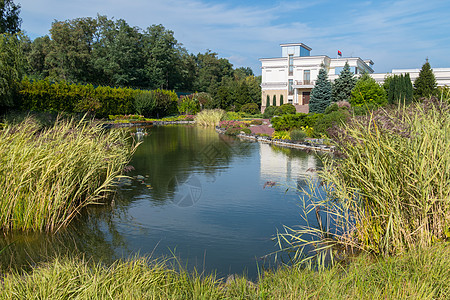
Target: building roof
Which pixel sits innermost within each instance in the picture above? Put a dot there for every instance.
(296, 44)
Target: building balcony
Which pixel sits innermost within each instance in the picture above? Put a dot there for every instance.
(298, 84)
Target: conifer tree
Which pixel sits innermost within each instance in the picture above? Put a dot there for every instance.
(321, 94)
(267, 101)
(343, 85)
(425, 84)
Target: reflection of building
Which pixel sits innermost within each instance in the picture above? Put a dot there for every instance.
(290, 78)
(275, 165)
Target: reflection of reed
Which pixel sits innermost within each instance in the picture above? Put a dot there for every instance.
(92, 235)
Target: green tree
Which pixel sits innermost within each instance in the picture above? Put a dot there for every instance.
(367, 92)
(211, 71)
(12, 68)
(274, 101)
(118, 57)
(281, 100)
(38, 65)
(321, 94)
(400, 89)
(71, 47)
(425, 85)
(267, 101)
(9, 17)
(343, 85)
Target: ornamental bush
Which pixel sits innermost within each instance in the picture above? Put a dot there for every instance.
(285, 109)
(250, 108)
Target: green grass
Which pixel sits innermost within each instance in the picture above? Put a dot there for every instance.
(49, 174)
(420, 274)
(209, 117)
(390, 190)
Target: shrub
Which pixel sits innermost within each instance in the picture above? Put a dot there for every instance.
(188, 105)
(250, 108)
(289, 122)
(332, 107)
(144, 103)
(297, 135)
(327, 121)
(285, 109)
(367, 92)
(231, 115)
(269, 112)
(281, 135)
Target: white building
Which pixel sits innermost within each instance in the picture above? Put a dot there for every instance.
(442, 75)
(290, 78)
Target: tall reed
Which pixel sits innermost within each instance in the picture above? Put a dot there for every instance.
(48, 175)
(209, 117)
(390, 190)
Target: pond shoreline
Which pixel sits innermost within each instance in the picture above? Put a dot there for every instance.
(283, 143)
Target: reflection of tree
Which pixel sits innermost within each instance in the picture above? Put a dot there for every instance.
(177, 151)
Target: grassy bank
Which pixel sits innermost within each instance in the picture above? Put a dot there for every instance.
(416, 275)
(49, 174)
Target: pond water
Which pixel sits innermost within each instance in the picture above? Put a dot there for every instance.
(194, 194)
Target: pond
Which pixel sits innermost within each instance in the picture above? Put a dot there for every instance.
(193, 194)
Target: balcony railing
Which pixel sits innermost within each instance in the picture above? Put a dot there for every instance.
(304, 82)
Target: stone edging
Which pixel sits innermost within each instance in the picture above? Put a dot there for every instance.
(282, 143)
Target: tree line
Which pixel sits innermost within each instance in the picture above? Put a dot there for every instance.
(107, 52)
(366, 93)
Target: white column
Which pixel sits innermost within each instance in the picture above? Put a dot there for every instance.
(295, 96)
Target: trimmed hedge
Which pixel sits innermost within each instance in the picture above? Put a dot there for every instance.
(43, 95)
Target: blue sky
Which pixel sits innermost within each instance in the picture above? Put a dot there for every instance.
(394, 34)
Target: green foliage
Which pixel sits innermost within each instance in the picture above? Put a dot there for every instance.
(9, 17)
(298, 135)
(391, 189)
(400, 89)
(367, 92)
(269, 112)
(425, 85)
(274, 100)
(188, 105)
(281, 135)
(343, 85)
(267, 101)
(337, 117)
(42, 95)
(281, 100)
(321, 94)
(144, 103)
(285, 109)
(12, 67)
(419, 274)
(250, 108)
(332, 107)
(291, 121)
(49, 174)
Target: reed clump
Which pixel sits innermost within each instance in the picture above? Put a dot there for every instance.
(389, 192)
(209, 117)
(49, 174)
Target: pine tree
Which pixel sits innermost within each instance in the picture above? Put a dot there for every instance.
(343, 85)
(267, 101)
(425, 84)
(281, 100)
(321, 94)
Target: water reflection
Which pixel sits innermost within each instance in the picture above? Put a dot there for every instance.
(226, 225)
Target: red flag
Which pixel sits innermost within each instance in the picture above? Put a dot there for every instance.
(339, 53)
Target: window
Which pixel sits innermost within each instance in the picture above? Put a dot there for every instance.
(306, 77)
(291, 64)
(291, 88)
